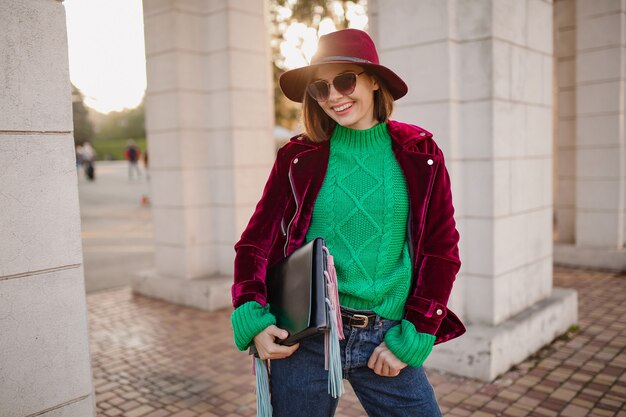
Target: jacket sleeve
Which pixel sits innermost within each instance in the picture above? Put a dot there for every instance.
(426, 306)
(252, 250)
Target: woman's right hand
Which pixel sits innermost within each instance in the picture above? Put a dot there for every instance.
(268, 348)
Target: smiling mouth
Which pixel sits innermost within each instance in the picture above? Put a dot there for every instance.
(342, 107)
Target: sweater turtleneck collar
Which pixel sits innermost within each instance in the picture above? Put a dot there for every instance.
(376, 137)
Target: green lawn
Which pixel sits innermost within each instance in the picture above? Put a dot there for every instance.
(108, 149)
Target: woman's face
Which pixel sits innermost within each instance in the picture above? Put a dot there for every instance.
(356, 110)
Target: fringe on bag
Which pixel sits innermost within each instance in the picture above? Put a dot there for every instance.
(263, 401)
(332, 351)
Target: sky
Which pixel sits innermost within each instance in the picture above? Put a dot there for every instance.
(107, 53)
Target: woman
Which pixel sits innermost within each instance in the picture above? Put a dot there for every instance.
(378, 192)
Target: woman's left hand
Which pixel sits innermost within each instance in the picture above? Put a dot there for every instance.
(384, 363)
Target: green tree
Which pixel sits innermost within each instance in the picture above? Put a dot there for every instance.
(83, 127)
(128, 123)
(311, 13)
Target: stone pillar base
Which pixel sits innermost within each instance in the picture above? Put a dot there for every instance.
(210, 293)
(485, 352)
(597, 258)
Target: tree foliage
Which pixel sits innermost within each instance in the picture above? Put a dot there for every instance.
(128, 123)
(83, 126)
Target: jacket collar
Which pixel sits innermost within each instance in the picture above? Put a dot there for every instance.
(403, 134)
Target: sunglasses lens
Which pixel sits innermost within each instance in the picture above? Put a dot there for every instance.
(345, 83)
(319, 90)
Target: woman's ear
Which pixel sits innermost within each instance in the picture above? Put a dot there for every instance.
(375, 85)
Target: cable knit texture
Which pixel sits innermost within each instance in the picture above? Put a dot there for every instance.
(361, 211)
(248, 320)
(409, 345)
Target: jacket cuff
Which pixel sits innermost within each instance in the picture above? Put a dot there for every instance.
(425, 314)
(248, 320)
(409, 345)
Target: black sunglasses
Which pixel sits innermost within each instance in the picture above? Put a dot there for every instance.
(344, 84)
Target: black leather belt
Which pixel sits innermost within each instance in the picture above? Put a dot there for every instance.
(356, 319)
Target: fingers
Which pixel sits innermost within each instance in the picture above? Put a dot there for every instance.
(267, 347)
(384, 363)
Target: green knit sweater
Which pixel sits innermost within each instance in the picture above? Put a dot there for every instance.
(361, 211)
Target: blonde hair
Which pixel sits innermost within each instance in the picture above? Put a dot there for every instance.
(318, 126)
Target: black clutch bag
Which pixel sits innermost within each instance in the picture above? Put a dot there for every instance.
(297, 292)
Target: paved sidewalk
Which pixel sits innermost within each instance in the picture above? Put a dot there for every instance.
(155, 359)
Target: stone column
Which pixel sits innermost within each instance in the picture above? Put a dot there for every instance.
(600, 148)
(480, 78)
(565, 103)
(45, 367)
(209, 121)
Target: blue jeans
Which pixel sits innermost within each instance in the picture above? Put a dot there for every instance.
(299, 383)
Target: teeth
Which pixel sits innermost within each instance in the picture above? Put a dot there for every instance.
(341, 108)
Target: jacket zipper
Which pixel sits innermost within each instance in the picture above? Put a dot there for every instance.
(293, 191)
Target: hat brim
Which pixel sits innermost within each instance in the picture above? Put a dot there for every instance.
(294, 82)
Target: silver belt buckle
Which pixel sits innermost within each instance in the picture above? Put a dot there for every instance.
(361, 317)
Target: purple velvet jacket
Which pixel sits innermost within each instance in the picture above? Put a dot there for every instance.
(282, 217)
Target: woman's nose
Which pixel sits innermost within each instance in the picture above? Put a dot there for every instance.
(334, 94)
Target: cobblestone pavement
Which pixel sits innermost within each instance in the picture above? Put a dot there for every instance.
(155, 359)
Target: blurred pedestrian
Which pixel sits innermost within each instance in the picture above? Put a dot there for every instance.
(89, 158)
(132, 154)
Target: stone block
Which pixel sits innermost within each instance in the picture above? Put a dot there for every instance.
(478, 188)
(476, 129)
(34, 71)
(589, 257)
(224, 225)
(249, 183)
(598, 7)
(242, 215)
(434, 117)
(45, 361)
(598, 163)
(247, 6)
(475, 70)
(566, 195)
(565, 45)
(184, 226)
(190, 6)
(598, 32)
(566, 75)
(566, 226)
(171, 150)
(599, 195)
(502, 187)
(253, 147)
(479, 257)
(565, 13)
(250, 109)
(509, 129)
(599, 65)
(566, 136)
(217, 37)
(217, 74)
(567, 104)
(598, 229)
(509, 243)
(206, 293)
(539, 130)
(485, 352)
(40, 218)
(426, 69)
(226, 257)
(528, 179)
(247, 32)
(539, 26)
(249, 70)
(501, 69)
(174, 29)
(547, 80)
(566, 163)
(527, 75)
(599, 130)
(509, 20)
(422, 21)
(185, 262)
(539, 243)
(473, 19)
(182, 188)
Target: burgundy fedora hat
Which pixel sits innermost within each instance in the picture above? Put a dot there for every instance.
(351, 46)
